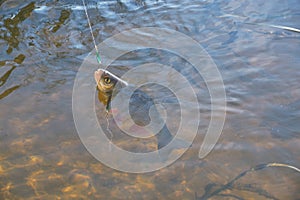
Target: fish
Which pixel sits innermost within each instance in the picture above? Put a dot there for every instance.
(139, 106)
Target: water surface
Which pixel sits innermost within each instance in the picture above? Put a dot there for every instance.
(43, 43)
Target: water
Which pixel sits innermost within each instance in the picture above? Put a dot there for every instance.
(44, 43)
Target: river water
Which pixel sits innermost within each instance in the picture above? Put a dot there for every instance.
(43, 44)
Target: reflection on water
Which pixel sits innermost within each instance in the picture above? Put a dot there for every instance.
(11, 25)
(43, 44)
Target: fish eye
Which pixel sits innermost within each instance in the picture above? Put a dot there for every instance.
(107, 80)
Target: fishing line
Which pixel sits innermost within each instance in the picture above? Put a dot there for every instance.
(229, 185)
(287, 28)
(109, 131)
(91, 30)
(96, 48)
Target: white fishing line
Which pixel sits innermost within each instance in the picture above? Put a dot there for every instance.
(285, 28)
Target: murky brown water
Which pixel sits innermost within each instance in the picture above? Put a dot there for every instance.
(43, 43)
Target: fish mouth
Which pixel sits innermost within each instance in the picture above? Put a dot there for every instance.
(97, 75)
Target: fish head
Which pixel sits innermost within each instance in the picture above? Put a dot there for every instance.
(105, 81)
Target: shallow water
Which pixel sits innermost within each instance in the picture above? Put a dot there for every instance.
(43, 45)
